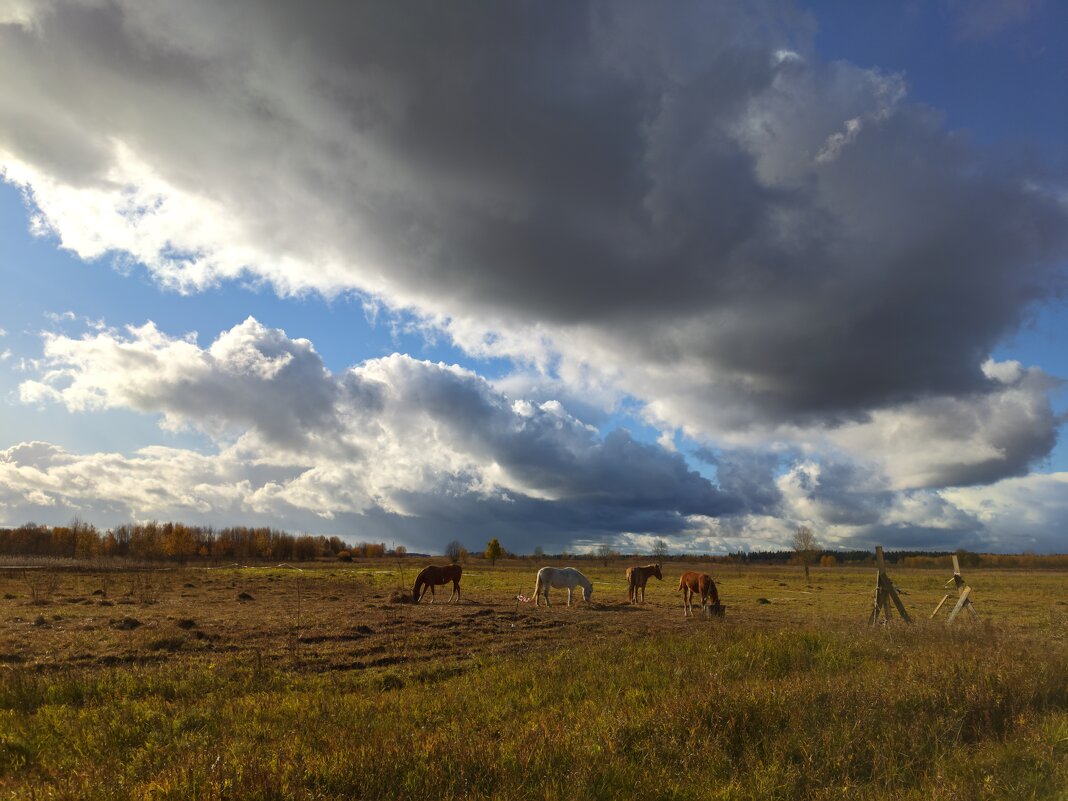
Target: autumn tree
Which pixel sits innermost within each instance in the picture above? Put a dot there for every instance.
(494, 551)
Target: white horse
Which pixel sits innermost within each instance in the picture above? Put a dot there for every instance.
(560, 577)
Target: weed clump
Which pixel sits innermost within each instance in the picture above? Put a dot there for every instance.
(126, 623)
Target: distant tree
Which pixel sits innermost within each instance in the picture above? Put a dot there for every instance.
(660, 551)
(494, 551)
(539, 552)
(604, 553)
(828, 560)
(805, 546)
(452, 550)
(400, 550)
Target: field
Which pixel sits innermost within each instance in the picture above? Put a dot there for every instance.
(319, 684)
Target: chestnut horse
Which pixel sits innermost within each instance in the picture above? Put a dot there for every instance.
(637, 578)
(699, 583)
(435, 574)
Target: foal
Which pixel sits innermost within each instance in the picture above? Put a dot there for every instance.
(699, 583)
(636, 579)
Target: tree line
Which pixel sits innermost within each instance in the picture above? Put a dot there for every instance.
(181, 542)
(176, 541)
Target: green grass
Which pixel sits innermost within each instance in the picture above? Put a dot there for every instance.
(794, 699)
(729, 714)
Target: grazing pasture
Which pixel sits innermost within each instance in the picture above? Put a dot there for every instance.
(329, 683)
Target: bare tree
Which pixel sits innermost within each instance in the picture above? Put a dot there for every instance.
(453, 550)
(539, 552)
(660, 551)
(805, 546)
(604, 553)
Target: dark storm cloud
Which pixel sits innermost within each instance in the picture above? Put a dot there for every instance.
(749, 476)
(605, 166)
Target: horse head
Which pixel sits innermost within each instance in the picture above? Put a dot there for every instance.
(656, 571)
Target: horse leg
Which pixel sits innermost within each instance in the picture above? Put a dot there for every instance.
(569, 590)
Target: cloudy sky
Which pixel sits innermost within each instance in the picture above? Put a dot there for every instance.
(559, 273)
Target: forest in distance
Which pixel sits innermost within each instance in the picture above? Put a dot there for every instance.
(179, 542)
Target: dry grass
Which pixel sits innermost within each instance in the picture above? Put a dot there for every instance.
(316, 685)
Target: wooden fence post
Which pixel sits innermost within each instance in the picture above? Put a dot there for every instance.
(885, 593)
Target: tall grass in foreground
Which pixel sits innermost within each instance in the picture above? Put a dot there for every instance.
(719, 712)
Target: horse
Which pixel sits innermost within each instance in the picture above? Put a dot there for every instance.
(636, 579)
(436, 574)
(702, 583)
(560, 577)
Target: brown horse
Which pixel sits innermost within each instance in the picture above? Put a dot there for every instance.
(699, 583)
(436, 574)
(636, 579)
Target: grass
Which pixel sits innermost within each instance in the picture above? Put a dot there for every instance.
(795, 699)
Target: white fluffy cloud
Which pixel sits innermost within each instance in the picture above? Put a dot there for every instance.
(410, 449)
(390, 436)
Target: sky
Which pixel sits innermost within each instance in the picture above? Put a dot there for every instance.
(562, 274)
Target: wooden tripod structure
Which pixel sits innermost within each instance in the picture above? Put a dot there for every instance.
(884, 594)
(963, 591)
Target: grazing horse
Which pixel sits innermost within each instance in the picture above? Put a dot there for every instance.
(560, 577)
(435, 574)
(636, 579)
(702, 583)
